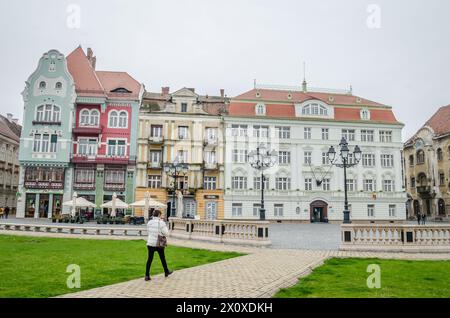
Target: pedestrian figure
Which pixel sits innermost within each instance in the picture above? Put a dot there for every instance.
(424, 218)
(157, 233)
(6, 212)
(419, 217)
(1, 213)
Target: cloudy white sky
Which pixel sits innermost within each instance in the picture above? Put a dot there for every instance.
(213, 44)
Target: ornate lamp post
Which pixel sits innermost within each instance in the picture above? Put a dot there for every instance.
(175, 170)
(344, 163)
(262, 159)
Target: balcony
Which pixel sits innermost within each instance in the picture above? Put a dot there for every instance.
(156, 140)
(155, 165)
(210, 166)
(114, 186)
(87, 130)
(210, 142)
(102, 159)
(46, 123)
(84, 186)
(54, 185)
(423, 189)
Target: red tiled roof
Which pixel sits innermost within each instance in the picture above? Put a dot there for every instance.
(440, 121)
(112, 80)
(298, 97)
(86, 80)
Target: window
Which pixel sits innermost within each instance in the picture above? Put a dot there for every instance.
(183, 132)
(239, 156)
(58, 85)
(351, 185)
(411, 160)
(183, 107)
(42, 85)
(209, 183)
(210, 157)
(387, 161)
(183, 183)
(369, 185)
(365, 114)
(256, 207)
(439, 154)
(154, 181)
(156, 130)
(325, 133)
(87, 146)
(45, 143)
(123, 119)
(113, 119)
(420, 157)
(236, 209)
(307, 133)
(308, 184)
(278, 209)
(307, 157)
(155, 156)
(385, 136)
(239, 130)
(211, 133)
(260, 109)
(392, 208)
(314, 110)
(441, 179)
(368, 160)
(182, 156)
(89, 118)
(95, 115)
(48, 114)
(326, 184)
(371, 210)
(284, 157)
(239, 183)
(84, 117)
(115, 176)
(283, 132)
(348, 134)
(367, 135)
(325, 159)
(260, 131)
(388, 185)
(283, 184)
(116, 148)
(85, 176)
(413, 182)
(257, 183)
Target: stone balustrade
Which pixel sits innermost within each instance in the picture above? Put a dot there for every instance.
(390, 237)
(222, 231)
(75, 229)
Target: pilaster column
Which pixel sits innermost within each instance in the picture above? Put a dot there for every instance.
(36, 206)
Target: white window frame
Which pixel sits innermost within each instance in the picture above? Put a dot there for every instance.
(116, 147)
(236, 209)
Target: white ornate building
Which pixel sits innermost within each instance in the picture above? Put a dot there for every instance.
(301, 126)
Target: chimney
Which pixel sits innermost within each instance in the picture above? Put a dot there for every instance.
(222, 92)
(91, 58)
(165, 90)
(89, 53)
(93, 62)
(9, 116)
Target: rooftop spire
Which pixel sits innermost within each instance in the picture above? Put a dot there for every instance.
(304, 84)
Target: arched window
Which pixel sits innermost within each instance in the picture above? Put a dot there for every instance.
(123, 119)
(260, 109)
(113, 118)
(56, 114)
(42, 85)
(420, 157)
(314, 109)
(48, 113)
(40, 113)
(439, 154)
(58, 85)
(411, 160)
(94, 117)
(365, 114)
(84, 117)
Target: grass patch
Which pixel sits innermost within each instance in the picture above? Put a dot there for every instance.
(36, 267)
(345, 278)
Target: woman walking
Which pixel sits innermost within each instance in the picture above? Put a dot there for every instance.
(157, 233)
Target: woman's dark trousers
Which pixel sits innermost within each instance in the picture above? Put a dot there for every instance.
(151, 252)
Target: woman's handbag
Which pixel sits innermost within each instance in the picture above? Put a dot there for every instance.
(162, 240)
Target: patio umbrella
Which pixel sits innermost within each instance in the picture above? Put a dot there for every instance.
(78, 202)
(148, 203)
(114, 204)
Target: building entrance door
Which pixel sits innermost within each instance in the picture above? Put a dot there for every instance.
(44, 201)
(211, 211)
(319, 211)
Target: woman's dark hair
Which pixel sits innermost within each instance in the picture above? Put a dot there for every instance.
(157, 213)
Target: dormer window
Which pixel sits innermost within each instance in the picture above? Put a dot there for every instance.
(314, 109)
(260, 109)
(120, 90)
(365, 114)
(183, 107)
(42, 85)
(58, 85)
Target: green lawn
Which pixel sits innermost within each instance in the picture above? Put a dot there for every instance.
(36, 267)
(399, 279)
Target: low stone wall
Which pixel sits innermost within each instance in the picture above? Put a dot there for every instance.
(433, 238)
(255, 233)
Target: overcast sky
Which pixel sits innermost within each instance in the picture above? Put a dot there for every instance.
(396, 52)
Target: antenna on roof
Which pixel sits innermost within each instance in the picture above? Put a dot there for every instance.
(254, 83)
(304, 84)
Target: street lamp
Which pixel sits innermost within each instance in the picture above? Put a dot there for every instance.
(262, 159)
(344, 152)
(175, 170)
